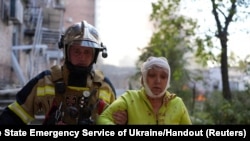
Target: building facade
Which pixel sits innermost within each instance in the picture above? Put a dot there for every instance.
(31, 30)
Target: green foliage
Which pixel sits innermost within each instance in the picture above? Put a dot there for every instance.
(171, 39)
(201, 118)
(186, 96)
(217, 110)
(204, 50)
(174, 36)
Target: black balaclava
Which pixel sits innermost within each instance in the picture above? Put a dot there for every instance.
(78, 75)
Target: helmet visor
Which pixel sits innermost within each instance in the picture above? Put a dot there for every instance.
(85, 43)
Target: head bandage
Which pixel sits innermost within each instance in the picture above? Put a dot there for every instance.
(155, 61)
(161, 62)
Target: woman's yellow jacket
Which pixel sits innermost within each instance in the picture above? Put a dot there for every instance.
(139, 110)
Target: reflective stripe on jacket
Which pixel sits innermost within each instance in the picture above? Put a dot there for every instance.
(37, 96)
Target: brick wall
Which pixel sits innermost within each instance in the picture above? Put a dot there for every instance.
(5, 53)
(78, 10)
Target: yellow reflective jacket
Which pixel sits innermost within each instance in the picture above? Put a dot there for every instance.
(37, 96)
(139, 110)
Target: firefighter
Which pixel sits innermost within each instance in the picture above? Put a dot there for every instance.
(73, 93)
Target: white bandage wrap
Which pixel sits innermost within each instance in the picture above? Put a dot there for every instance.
(159, 62)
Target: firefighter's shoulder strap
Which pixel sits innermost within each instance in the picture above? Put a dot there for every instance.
(56, 73)
(57, 78)
(98, 76)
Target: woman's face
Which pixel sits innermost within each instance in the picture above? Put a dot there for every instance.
(81, 56)
(157, 79)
